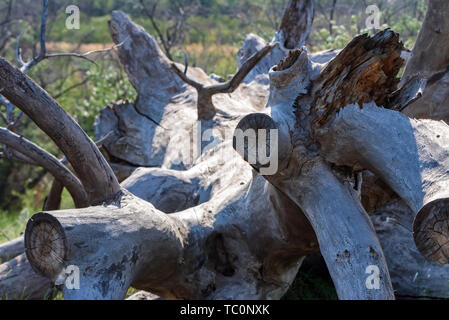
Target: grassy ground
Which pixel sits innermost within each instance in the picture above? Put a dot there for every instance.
(13, 223)
(313, 281)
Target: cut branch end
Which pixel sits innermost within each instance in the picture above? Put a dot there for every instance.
(431, 231)
(45, 245)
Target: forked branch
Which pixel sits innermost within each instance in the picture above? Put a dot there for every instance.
(97, 177)
(25, 67)
(206, 109)
(49, 162)
(42, 55)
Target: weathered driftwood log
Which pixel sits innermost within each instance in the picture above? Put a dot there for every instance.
(19, 281)
(404, 260)
(253, 255)
(239, 236)
(333, 109)
(98, 180)
(113, 246)
(251, 45)
(199, 262)
(411, 156)
(303, 175)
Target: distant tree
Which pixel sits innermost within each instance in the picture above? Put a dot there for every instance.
(176, 13)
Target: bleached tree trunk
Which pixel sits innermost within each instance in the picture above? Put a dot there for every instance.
(412, 275)
(231, 234)
(409, 155)
(278, 203)
(19, 281)
(347, 238)
(430, 61)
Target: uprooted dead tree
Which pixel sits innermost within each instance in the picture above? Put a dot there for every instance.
(201, 222)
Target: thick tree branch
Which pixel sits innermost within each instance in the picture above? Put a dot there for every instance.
(53, 200)
(18, 281)
(433, 68)
(49, 162)
(327, 197)
(297, 23)
(353, 131)
(98, 178)
(409, 155)
(151, 251)
(9, 153)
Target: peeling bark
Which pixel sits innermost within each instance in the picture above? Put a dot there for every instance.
(297, 23)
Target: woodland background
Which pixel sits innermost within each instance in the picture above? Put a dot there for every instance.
(209, 31)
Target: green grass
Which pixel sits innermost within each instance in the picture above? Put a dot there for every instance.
(12, 224)
(310, 286)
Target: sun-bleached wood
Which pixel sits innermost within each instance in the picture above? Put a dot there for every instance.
(248, 232)
(147, 251)
(229, 255)
(430, 61)
(412, 275)
(409, 155)
(347, 240)
(259, 256)
(18, 281)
